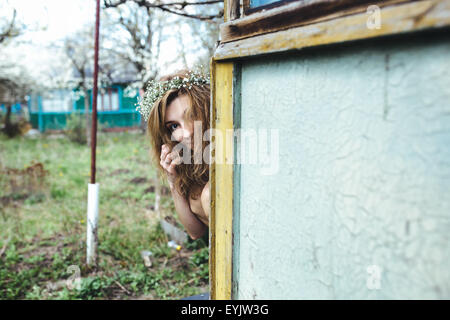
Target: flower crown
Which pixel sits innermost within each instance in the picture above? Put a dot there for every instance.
(156, 89)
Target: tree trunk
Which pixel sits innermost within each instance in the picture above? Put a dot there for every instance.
(11, 130)
(8, 117)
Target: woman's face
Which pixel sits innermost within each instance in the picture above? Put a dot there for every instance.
(182, 129)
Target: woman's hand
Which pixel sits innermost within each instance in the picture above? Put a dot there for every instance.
(194, 227)
(168, 161)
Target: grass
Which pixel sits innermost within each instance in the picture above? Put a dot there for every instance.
(43, 231)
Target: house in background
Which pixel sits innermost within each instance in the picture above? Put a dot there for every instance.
(49, 110)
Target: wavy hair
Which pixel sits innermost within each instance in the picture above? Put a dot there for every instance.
(190, 177)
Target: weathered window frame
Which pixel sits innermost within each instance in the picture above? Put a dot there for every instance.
(299, 24)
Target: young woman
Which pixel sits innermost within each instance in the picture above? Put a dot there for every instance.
(174, 104)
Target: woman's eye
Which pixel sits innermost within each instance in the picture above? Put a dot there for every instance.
(171, 128)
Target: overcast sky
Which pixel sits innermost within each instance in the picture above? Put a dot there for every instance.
(58, 17)
(51, 20)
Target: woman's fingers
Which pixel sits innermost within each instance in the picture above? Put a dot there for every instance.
(164, 151)
(169, 159)
(171, 168)
(176, 159)
(165, 162)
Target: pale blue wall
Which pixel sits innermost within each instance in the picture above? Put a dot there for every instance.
(363, 178)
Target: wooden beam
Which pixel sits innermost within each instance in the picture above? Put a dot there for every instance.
(234, 9)
(399, 18)
(221, 182)
(212, 185)
(226, 10)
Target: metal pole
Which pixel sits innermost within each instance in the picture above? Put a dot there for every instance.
(93, 188)
(94, 96)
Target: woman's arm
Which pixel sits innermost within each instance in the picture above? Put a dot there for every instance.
(194, 227)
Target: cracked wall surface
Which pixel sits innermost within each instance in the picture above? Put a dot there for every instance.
(360, 205)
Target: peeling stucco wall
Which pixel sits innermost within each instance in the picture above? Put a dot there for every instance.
(360, 205)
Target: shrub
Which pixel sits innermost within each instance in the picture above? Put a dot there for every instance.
(76, 128)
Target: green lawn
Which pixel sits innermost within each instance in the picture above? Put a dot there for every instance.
(43, 224)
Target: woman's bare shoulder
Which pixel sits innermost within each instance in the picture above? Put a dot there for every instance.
(205, 199)
(205, 191)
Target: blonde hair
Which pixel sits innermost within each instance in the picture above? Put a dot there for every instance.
(190, 177)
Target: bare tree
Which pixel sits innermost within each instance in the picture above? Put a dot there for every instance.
(133, 36)
(14, 85)
(174, 7)
(14, 79)
(144, 23)
(79, 50)
(207, 35)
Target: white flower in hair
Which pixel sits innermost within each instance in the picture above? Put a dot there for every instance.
(156, 89)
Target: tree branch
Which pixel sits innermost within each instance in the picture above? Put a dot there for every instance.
(10, 32)
(170, 7)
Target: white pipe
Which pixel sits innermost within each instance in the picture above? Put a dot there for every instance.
(92, 219)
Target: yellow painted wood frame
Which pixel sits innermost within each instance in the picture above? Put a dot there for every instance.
(221, 182)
